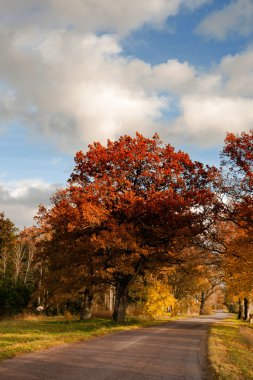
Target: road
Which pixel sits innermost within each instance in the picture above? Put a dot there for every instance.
(173, 350)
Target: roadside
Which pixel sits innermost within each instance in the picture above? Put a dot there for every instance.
(230, 349)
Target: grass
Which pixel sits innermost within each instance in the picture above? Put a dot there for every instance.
(19, 336)
(231, 350)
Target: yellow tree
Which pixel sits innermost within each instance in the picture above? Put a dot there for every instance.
(238, 265)
(151, 295)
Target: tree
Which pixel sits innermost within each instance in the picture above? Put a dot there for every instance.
(151, 295)
(68, 251)
(27, 243)
(237, 162)
(159, 198)
(198, 278)
(7, 240)
(15, 293)
(238, 264)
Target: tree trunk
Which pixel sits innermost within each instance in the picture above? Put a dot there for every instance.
(30, 257)
(85, 310)
(121, 297)
(4, 258)
(240, 310)
(246, 309)
(121, 300)
(202, 304)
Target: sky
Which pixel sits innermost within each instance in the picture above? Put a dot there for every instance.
(79, 71)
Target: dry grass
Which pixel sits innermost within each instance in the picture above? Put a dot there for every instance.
(231, 350)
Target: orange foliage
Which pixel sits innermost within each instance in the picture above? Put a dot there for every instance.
(129, 202)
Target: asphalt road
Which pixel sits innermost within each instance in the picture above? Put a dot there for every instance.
(174, 350)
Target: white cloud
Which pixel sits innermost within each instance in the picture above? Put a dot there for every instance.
(237, 71)
(205, 119)
(89, 97)
(235, 17)
(173, 76)
(217, 102)
(19, 200)
(93, 15)
(98, 94)
(74, 86)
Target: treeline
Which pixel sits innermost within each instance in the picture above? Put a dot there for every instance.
(145, 220)
(17, 268)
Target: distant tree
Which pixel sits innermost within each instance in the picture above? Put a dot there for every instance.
(198, 278)
(15, 291)
(7, 241)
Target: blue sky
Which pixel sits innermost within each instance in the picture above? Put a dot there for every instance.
(181, 41)
(91, 70)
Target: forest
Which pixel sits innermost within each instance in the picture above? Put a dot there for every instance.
(139, 227)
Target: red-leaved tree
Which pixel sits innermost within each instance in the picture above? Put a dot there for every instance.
(157, 202)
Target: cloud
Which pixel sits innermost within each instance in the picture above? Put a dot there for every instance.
(171, 77)
(19, 200)
(236, 17)
(205, 119)
(8, 104)
(216, 102)
(98, 93)
(74, 86)
(92, 15)
(237, 71)
(88, 97)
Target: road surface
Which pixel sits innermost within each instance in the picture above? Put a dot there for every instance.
(173, 350)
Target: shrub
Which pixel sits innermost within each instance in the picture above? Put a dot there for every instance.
(14, 298)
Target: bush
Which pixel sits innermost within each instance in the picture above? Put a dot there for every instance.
(67, 315)
(14, 298)
(153, 299)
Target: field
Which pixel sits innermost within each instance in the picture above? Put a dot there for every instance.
(231, 350)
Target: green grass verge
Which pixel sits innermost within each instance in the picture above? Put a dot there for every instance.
(19, 336)
(231, 350)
